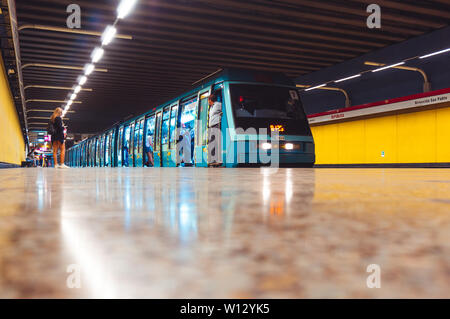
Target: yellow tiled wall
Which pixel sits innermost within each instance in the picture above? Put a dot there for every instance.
(12, 145)
(418, 137)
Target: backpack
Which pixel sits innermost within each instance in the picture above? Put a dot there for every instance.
(51, 128)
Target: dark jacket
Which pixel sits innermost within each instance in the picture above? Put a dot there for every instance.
(59, 130)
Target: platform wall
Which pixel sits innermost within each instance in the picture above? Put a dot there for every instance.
(418, 137)
(12, 145)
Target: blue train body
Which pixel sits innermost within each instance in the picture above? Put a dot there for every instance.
(263, 123)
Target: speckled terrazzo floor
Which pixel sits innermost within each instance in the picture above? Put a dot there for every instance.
(220, 233)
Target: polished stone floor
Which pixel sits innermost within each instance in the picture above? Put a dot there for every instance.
(220, 233)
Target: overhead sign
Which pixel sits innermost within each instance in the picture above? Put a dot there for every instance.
(381, 107)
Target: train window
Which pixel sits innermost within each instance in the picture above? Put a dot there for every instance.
(261, 106)
(173, 125)
(158, 131)
(165, 127)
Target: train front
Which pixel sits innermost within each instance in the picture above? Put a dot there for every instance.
(266, 125)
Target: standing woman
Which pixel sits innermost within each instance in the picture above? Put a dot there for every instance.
(58, 139)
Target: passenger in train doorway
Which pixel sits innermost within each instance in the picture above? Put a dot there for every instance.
(215, 136)
(148, 149)
(58, 137)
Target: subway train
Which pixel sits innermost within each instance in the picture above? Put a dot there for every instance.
(263, 123)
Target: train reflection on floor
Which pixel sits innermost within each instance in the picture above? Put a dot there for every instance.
(188, 233)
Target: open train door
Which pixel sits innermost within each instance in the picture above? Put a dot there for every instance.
(201, 136)
(157, 140)
(138, 142)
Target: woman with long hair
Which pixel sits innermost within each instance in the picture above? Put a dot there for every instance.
(58, 138)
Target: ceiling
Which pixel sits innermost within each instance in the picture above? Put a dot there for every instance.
(177, 42)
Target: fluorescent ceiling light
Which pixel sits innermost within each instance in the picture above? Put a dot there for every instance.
(435, 53)
(77, 89)
(125, 8)
(69, 103)
(108, 35)
(88, 68)
(97, 54)
(348, 78)
(73, 96)
(82, 80)
(316, 87)
(388, 67)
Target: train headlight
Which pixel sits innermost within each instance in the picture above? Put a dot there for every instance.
(289, 146)
(266, 146)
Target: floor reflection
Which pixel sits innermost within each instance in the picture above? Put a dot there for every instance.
(223, 232)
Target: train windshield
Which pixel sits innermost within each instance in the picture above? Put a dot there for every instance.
(271, 107)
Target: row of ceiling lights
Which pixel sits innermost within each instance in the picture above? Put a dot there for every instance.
(379, 69)
(108, 35)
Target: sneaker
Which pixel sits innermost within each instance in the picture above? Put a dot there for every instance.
(57, 166)
(63, 166)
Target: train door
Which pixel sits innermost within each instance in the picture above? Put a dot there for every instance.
(174, 135)
(148, 139)
(105, 136)
(113, 148)
(100, 151)
(126, 146)
(88, 163)
(88, 143)
(119, 147)
(110, 149)
(96, 152)
(85, 151)
(81, 155)
(84, 154)
(93, 146)
(107, 148)
(165, 137)
(130, 151)
(201, 141)
(185, 152)
(91, 153)
(138, 138)
(157, 140)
